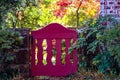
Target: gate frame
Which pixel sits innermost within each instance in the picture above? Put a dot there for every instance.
(58, 32)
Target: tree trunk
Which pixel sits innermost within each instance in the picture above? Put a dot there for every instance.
(77, 14)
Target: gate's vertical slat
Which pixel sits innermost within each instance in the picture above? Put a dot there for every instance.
(40, 50)
(58, 48)
(49, 50)
(49, 56)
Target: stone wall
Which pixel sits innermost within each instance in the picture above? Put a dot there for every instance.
(22, 61)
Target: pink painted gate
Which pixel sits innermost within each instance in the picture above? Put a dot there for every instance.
(50, 55)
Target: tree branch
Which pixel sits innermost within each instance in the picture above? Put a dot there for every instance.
(77, 13)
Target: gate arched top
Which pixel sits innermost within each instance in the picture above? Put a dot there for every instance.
(54, 30)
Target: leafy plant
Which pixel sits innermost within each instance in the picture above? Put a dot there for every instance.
(104, 62)
(99, 42)
(10, 11)
(9, 41)
(112, 39)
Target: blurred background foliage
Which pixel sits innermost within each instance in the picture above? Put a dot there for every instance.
(38, 13)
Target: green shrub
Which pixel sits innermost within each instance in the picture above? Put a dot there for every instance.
(9, 41)
(99, 45)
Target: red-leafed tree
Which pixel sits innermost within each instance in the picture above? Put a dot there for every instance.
(88, 7)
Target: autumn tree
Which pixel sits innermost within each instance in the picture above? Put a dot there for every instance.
(77, 10)
(36, 13)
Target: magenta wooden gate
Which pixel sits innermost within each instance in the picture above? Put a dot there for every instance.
(50, 55)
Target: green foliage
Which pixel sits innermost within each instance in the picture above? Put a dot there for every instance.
(112, 39)
(104, 62)
(71, 18)
(9, 41)
(9, 9)
(27, 18)
(7, 6)
(100, 44)
(82, 63)
(31, 16)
